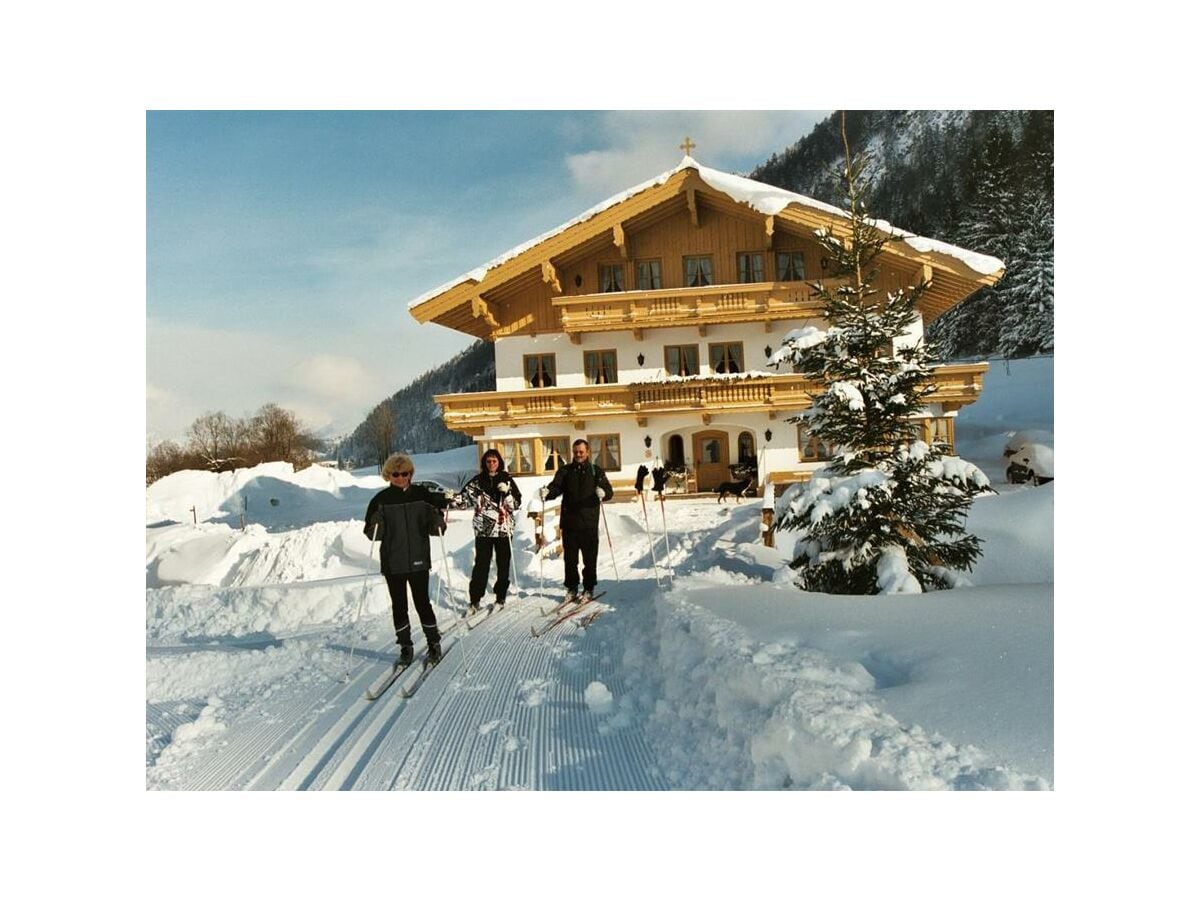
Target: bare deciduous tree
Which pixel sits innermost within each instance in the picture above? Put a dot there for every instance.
(219, 443)
(382, 426)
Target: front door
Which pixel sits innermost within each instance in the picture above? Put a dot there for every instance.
(710, 449)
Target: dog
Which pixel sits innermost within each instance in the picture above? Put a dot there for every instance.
(739, 489)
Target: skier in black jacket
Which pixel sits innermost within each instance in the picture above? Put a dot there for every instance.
(583, 486)
(403, 516)
(496, 497)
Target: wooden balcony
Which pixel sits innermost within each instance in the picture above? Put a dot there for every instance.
(698, 306)
(956, 386)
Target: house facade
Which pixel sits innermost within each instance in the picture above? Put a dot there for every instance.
(645, 325)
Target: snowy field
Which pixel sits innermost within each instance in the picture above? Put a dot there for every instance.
(723, 677)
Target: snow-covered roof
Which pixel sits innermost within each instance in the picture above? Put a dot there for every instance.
(763, 198)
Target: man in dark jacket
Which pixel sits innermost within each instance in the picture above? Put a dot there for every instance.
(402, 517)
(495, 497)
(583, 486)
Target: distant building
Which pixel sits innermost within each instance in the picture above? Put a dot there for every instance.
(645, 325)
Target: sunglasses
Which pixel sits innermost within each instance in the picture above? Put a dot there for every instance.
(402, 474)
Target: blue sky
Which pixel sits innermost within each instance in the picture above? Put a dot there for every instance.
(283, 247)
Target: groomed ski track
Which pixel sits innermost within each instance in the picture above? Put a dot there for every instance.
(502, 711)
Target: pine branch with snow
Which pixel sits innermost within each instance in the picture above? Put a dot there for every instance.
(886, 514)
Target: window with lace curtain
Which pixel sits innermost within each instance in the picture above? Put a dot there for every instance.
(789, 266)
(683, 359)
(600, 366)
(812, 448)
(697, 271)
(606, 450)
(649, 274)
(612, 277)
(726, 358)
(555, 453)
(750, 268)
(539, 370)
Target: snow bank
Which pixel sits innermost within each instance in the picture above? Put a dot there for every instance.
(272, 494)
(737, 710)
(194, 613)
(1017, 530)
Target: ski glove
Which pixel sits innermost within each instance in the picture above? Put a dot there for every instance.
(543, 492)
(600, 493)
(503, 487)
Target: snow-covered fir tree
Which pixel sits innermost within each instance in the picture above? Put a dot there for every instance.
(886, 514)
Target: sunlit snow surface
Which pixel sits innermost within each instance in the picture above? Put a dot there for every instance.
(729, 678)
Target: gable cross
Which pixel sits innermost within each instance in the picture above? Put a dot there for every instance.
(687, 146)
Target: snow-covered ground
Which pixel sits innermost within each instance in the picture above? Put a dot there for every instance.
(726, 676)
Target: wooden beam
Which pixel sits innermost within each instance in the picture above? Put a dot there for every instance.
(770, 224)
(637, 334)
(927, 274)
(693, 210)
(767, 325)
(550, 276)
(703, 329)
(480, 310)
(579, 425)
(706, 418)
(576, 337)
(619, 240)
(641, 421)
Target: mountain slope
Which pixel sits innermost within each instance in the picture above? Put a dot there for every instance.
(980, 179)
(418, 420)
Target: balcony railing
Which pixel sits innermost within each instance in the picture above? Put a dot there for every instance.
(710, 305)
(955, 385)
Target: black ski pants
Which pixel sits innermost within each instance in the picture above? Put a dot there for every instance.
(575, 543)
(484, 547)
(398, 588)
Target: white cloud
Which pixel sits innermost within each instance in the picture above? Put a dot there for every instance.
(330, 377)
(340, 379)
(642, 144)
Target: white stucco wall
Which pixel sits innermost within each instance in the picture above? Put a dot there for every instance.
(568, 357)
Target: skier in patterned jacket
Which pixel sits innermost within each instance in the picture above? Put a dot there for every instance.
(496, 498)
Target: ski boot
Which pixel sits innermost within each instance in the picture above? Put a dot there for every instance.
(499, 603)
(472, 607)
(572, 596)
(433, 655)
(406, 656)
(585, 597)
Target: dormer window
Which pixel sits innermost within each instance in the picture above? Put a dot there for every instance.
(697, 271)
(612, 277)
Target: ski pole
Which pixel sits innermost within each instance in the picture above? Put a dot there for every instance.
(662, 502)
(446, 570)
(362, 599)
(542, 552)
(512, 563)
(650, 540)
(604, 519)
